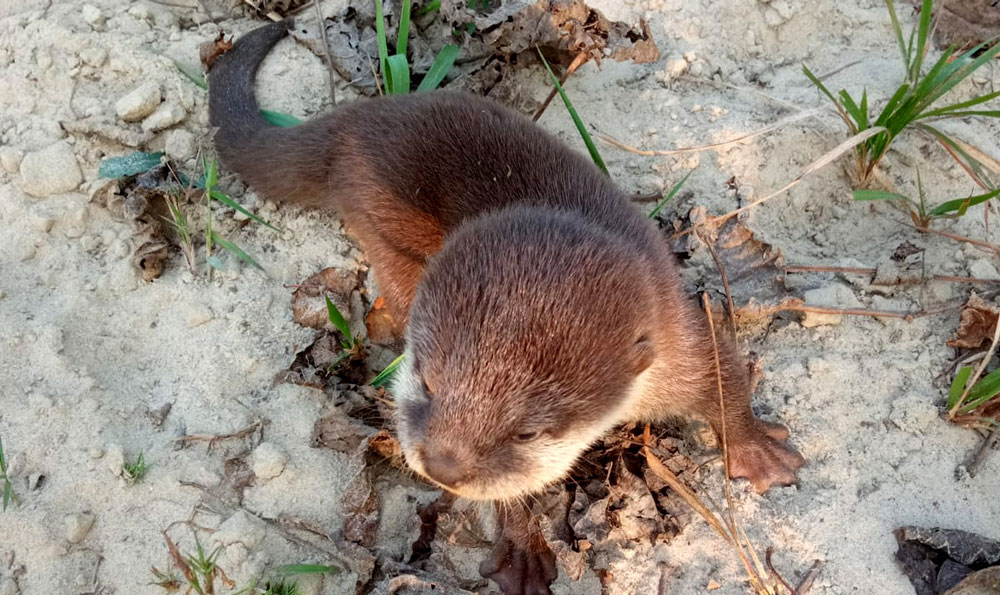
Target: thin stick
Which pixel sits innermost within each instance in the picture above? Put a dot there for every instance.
(720, 84)
(321, 23)
(810, 577)
(983, 453)
(576, 63)
(976, 375)
(774, 573)
(735, 529)
(826, 269)
(823, 161)
(867, 271)
(838, 69)
(725, 280)
(951, 236)
(649, 153)
(848, 311)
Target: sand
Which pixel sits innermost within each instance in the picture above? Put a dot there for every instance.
(91, 354)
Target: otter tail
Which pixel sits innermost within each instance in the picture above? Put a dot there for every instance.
(282, 163)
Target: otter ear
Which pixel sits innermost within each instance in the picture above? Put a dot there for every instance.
(643, 354)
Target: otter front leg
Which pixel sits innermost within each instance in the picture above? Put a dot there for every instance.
(521, 562)
(756, 449)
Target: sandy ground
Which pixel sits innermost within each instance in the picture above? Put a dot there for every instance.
(90, 354)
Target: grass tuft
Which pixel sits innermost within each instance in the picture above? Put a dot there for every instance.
(135, 471)
(8, 490)
(910, 106)
(395, 67)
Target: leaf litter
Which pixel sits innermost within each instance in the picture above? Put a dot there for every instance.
(497, 40)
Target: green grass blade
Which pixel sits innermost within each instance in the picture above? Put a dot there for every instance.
(670, 195)
(219, 196)
(973, 166)
(128, 165)
(581, 128)
(853, 110)
(235, 250)
(383, 46)
(878, 195)
(961, 204)
(192, 73)
(442, 65)
(819, 84)
(385, 375)
(926, 11)
(307, 569)
(898, 30)
(337, 319)
(397, 77)
(891, 106)
(211, 172)
(6, 494)
(960, 106)
(280, 119)
(958, 385)
(3, 460)
(404, 28)
(986, 388)
(433, 6)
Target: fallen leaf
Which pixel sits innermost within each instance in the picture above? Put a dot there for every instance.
(309, 298)
(754, 269)
(713, 586)
(278, 8)
(209, 51)
(360, 508)
(978, 324)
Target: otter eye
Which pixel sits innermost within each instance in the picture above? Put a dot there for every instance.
(527, 436)
(427, 392)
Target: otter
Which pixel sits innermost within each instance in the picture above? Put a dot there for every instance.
(541, 308)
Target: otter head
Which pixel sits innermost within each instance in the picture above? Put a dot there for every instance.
(527, 341)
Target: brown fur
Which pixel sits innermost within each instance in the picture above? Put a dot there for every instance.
(539, 300)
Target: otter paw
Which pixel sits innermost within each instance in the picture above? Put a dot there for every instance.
(519, 571)
(765, 459)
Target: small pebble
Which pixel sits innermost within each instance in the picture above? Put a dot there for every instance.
(92, 15)
(77, 526)
(268, 461)
(10, 159)
(165, 116)
(114, 458)
(140, 103)
(53, 170)
(180, 145)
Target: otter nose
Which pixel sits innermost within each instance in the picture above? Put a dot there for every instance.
(444, 469)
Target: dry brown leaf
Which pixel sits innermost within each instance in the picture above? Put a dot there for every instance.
(754, 269)
(209, 51)
(966, 23)
(978, 324)
(338, 432)
(278, 8)
(309, 303)
(712, 585)
(360, 508)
